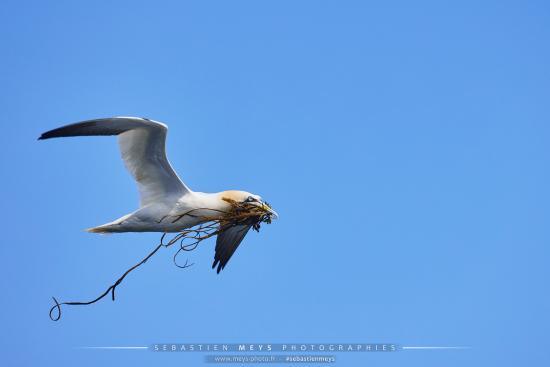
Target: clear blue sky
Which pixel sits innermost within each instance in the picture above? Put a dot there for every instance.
(405, 146)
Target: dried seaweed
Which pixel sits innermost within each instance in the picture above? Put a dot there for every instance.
(188, 240)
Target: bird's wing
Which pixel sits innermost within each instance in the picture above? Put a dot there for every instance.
(227, 242)
(142, 146)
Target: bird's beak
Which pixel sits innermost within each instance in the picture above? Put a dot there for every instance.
(268, 209)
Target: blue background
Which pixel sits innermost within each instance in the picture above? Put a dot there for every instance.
(404, 145)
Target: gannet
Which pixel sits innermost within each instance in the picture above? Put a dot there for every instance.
(167, 204)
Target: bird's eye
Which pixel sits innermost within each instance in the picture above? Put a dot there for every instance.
(250, 199)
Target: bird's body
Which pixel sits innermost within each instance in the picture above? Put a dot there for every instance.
(167, 216)
(166, 203)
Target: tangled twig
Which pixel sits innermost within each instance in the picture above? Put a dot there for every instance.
(239, 213)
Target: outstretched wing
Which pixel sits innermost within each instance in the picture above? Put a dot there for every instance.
(142, 146)
(227, 242)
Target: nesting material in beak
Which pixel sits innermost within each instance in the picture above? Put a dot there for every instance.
(248, 213)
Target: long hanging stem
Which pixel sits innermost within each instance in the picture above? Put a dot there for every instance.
(196, 234)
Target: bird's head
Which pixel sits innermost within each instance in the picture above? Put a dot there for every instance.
(247, 199)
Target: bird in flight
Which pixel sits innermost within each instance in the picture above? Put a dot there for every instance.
(166, 203)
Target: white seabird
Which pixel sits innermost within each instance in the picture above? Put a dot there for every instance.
(162, 193)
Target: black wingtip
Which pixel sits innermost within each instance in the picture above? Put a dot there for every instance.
(47, 135)
(217, 262)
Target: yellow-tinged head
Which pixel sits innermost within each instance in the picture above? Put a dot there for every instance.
(248, 198)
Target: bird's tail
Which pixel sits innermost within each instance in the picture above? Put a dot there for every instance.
(115, 226)
(106, 228)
